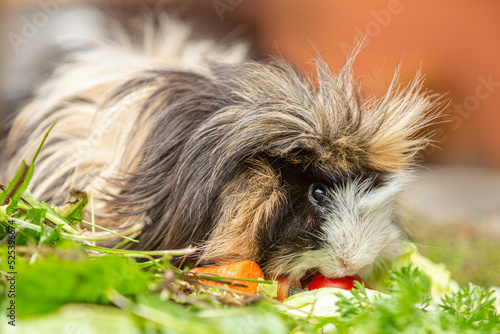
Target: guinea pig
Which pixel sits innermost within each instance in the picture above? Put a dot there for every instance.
(245, 160)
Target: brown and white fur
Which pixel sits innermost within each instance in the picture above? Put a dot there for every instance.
(246, 160)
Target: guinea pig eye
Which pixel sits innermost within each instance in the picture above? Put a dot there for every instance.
(317, 194)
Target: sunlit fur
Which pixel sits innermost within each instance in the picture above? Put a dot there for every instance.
(220, 152)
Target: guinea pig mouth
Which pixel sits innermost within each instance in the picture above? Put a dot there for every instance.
(308, 277)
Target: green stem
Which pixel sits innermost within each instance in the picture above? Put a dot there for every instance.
(133, 228)
(58, 221)
(17, 223)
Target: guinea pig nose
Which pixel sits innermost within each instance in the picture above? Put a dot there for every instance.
(344, 263)
(350, 265)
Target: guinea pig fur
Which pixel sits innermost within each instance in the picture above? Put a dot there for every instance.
(243, 159)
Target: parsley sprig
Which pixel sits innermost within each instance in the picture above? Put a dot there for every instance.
(409, 308)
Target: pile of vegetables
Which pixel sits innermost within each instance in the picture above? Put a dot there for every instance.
(56, 280)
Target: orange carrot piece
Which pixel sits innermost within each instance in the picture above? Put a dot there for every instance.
(241, 269)
(284, 285)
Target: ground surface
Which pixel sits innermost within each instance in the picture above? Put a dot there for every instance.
(455, 218)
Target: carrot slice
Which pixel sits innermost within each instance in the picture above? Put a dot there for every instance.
(241, 269)
(284, 285)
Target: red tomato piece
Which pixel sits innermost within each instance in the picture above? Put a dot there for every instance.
(346, 283)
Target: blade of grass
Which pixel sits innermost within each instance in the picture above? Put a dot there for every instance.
(43, 142)
(121, 235)
(92, 215)
(132, 253)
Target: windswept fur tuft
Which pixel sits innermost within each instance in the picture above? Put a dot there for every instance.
(217, 151)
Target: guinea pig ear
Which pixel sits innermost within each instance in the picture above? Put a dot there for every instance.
(394, 126)
(301, 150)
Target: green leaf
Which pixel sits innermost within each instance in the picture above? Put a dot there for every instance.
(49, 235)
(81, 319)
(73, 211)
(20, 182)
(260, 318)
(16, 187)
(54, 281)
(51, 214)
(410, 284)
(36, 216)
(170, 316)
(3, 216)
(473, 306)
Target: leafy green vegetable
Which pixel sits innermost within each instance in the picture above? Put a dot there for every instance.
(473, 307)
(411, 285)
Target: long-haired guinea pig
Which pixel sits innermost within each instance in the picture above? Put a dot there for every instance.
(246, 160)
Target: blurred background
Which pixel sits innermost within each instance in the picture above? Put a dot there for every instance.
(454, 206)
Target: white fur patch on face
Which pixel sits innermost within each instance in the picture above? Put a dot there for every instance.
(359, 232)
